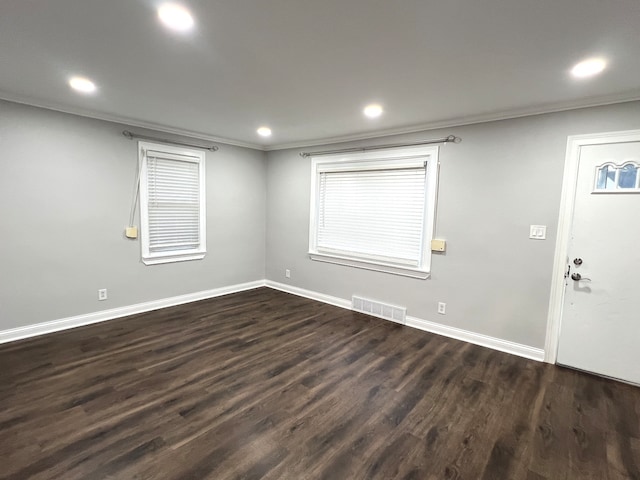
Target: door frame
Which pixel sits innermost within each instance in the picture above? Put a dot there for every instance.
(565, 222)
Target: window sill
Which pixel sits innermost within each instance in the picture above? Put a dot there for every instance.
(367, 265)
(172, 259)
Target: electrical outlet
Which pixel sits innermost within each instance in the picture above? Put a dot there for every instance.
(287, 273)
(442, 308)
(102, 294)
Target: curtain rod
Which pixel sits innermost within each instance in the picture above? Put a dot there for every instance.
(449, 139)
(131, 136)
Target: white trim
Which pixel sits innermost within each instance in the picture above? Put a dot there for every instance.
(567, 202)
(147, 150)
(125, 121)
(104, 315)
(172, 258)
(494, 343)
(301, 292)
(424, 157)
(598, 101)
(373, 265)
(506, 346)
(618, 168)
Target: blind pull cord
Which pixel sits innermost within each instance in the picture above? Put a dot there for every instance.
(132, 231)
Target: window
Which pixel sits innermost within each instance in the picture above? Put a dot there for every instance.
(172, 203)
(375, 210)
(617, 179)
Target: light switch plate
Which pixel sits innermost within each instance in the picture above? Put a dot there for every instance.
(538, 232)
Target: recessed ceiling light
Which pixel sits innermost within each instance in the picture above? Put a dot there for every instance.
(176, 17)
(264, 131)
(589, 67)
(81, 84)
(373, 111)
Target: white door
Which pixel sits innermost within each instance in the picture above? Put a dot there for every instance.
(600, 326)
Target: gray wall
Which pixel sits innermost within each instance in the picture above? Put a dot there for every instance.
(503, 177)
(66, 184)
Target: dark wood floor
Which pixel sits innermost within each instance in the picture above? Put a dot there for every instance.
(263, 384)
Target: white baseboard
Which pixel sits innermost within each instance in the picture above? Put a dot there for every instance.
(104, 315)
(519, 349)
(301, 292)
(432, 327)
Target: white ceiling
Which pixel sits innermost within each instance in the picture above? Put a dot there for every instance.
(306, 68)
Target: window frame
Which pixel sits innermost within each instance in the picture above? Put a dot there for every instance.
(393, 157)
(197, 156)
(616, 182)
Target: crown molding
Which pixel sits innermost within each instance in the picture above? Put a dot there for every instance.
(415, 128)
(125, 121)
(467, 120)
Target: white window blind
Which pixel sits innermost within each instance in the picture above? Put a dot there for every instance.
(375, 210)
(172, 204)
(374, 214)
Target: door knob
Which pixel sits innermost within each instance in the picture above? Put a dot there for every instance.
(577, 277)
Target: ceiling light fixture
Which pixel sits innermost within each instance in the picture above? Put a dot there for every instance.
(588, 68)
(176, 17)
(82, 85)
(264, 131)
(373, 111)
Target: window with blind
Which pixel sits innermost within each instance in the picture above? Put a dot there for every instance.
(375, 210)
(172, 203)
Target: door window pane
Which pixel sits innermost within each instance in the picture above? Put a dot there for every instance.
(606, 178)
(628, 176)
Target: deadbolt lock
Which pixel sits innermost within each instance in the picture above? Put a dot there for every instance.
(577, 262)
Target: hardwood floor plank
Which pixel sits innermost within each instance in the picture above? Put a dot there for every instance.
(263, 384)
